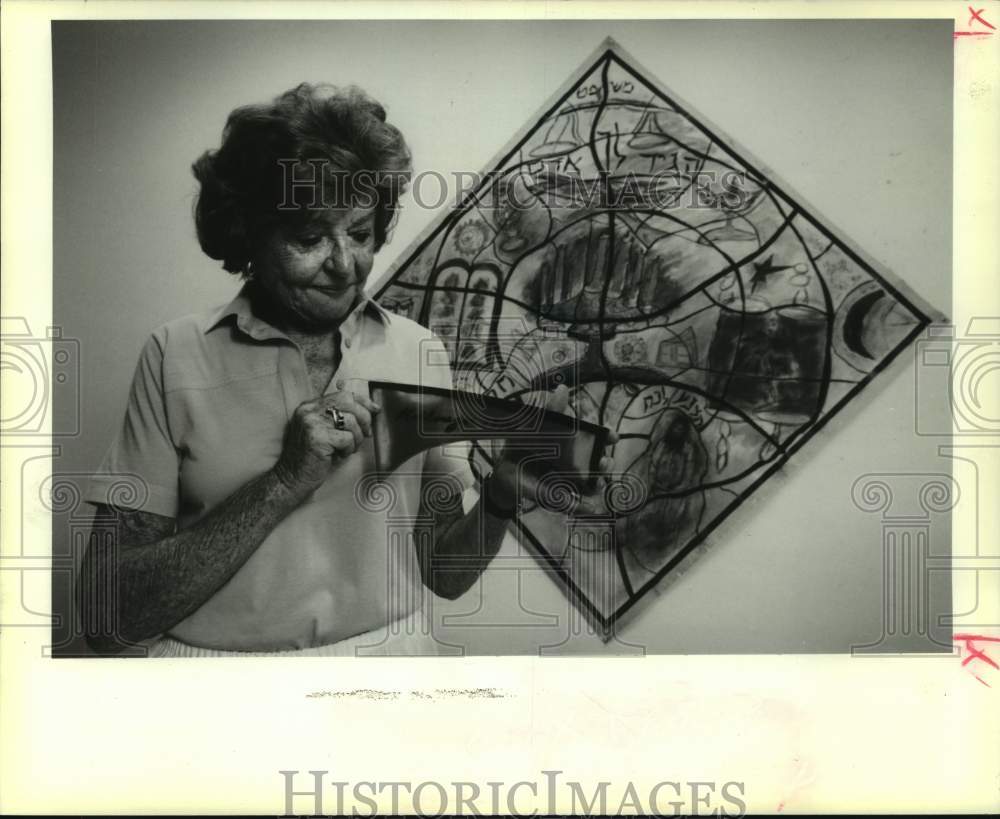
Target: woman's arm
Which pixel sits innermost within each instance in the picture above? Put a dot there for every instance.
(462, 545)
(146, 578)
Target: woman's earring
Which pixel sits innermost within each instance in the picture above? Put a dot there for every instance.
(248, 274)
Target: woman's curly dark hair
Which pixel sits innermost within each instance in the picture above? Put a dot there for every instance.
(281, 161)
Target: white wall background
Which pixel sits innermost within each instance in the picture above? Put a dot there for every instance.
(854, 116)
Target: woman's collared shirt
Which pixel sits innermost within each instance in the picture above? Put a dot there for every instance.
(206, 413)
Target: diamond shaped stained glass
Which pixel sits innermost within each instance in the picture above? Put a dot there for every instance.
(620, 247)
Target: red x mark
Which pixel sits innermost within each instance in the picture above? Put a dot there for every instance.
(976, 15)
(975, 653)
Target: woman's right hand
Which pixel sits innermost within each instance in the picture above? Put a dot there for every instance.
(313, 444)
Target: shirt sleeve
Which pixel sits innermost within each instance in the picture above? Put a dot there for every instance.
(140, 469)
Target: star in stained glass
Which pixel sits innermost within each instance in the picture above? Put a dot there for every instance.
(761, 270)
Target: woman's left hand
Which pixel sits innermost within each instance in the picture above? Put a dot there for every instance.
(512, 484)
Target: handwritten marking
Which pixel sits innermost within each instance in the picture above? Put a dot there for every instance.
(437, 693)
(976, 16)
(358, 693)
(976, 653)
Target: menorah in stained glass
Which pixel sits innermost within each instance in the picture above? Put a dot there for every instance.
(619, 245)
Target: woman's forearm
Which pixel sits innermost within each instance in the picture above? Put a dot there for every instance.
(464, 546)
(158, 584)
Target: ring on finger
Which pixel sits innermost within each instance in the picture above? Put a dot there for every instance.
(339, 422)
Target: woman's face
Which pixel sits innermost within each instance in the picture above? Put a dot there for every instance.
(314, 275)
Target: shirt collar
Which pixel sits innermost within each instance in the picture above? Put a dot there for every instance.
(242, 308)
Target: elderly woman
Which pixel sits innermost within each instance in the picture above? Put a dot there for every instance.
(250, 426)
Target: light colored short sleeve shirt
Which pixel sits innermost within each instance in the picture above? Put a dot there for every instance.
(206, 413)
